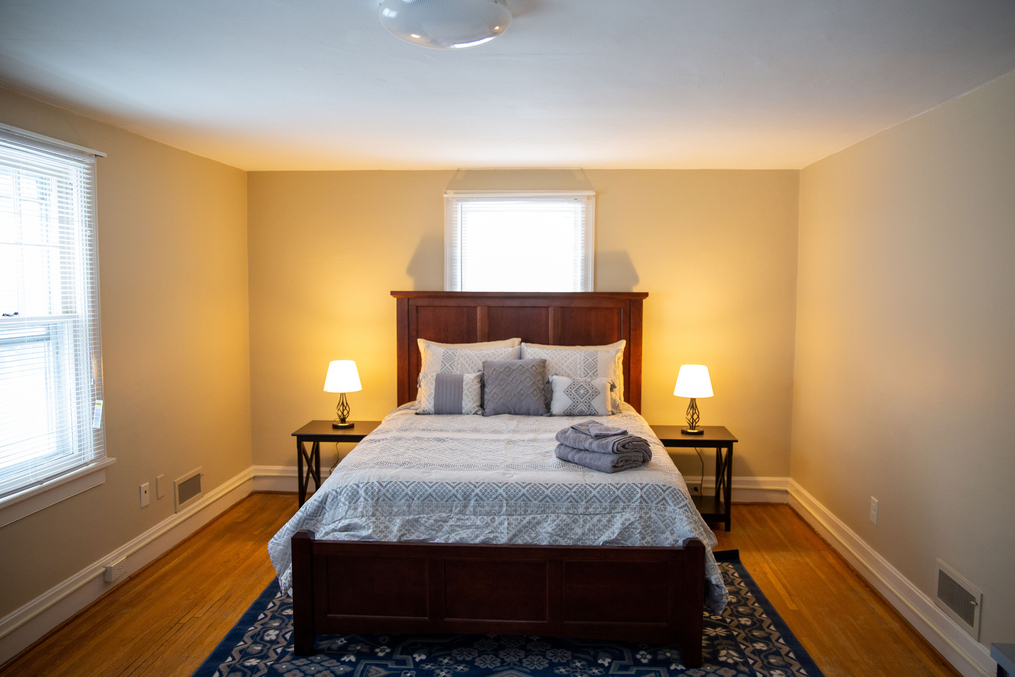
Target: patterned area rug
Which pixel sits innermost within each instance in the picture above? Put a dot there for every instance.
(749, 638)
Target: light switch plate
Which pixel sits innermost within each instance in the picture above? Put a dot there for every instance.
(874, 510)
(160, 486)
(145, 500)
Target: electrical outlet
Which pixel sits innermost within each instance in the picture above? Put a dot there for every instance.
(874, 510)
(144, 495)
(160, 486)
(115, 570)
(695, 490)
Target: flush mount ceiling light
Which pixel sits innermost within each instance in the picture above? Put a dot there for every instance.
(445, 24)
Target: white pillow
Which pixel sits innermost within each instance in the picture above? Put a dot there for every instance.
(440, 360)
(484, 345)
(609, 346)
(581, 396)
(582, 362)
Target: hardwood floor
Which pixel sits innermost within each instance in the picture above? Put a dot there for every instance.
(168, 617)
(846, 627)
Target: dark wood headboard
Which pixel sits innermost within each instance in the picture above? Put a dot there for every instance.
(566, 319)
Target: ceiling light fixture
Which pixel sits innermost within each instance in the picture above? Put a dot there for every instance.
(445, 24)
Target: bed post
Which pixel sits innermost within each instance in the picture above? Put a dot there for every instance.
(690, 603)
(633, 364)
(402, 358)
(304, 632)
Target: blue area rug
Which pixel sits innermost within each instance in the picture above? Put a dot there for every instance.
(749, 638)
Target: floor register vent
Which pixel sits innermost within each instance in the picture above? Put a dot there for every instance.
(959, 598)
(187, 489)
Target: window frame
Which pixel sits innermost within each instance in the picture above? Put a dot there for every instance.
(57, 331)
(452, 248)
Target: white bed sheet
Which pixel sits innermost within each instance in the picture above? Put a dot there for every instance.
(496, 480)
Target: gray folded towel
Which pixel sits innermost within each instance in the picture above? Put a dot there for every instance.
(601, 462)
(614, 444)
(597, 429)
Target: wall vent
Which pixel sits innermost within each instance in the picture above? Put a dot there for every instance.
(187, 489)
(959, 598)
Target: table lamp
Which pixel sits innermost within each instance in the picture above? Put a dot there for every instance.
(693, 382)
(342, 378)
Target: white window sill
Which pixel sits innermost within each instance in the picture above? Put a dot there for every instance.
(39, 497)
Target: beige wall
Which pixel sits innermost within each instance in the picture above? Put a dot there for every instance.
(905, 360)
(173, 283)
(716, 250)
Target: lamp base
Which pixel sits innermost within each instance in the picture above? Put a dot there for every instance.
(342, 424)
(689, 431)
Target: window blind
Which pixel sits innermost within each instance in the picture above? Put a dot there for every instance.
(510, 241)
(50, 364)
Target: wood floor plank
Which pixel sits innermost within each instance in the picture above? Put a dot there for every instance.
(167, 618)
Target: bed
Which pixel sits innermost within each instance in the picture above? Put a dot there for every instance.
(470, 524)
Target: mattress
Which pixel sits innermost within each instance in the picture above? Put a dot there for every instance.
(496, 480)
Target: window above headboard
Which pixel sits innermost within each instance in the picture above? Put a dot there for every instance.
(541, 241)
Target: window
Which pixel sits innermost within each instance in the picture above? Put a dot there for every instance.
(512, 241)
(50, 368)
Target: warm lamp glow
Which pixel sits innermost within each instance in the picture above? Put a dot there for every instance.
(342, 377)
(693, 381)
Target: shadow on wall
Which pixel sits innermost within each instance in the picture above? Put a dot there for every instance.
(615, 272)
(426, 267)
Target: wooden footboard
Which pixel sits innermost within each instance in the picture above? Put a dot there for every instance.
(622, 593)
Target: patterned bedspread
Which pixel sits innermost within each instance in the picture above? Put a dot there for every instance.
(476, 479)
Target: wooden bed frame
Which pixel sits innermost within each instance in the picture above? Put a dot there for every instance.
(622, 593)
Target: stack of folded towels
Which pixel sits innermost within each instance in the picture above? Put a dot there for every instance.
(602, 447)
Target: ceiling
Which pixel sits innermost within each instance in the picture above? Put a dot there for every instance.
(319, 84)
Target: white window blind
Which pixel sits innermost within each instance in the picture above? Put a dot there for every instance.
(512, 241)
(50, 366)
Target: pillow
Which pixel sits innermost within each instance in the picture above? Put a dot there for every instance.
(583, 362)
(514, 387)
(548, 346)
(581, 396)
(485, 345)
(450, 394)
(440, 360)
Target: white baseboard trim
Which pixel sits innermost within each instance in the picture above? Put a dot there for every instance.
(279, 478)
(24, 626)
(747, 489)
(966, 655)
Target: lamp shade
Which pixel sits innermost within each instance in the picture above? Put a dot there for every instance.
(342, 377)
(693, 381)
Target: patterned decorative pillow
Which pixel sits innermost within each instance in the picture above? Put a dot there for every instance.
(441, 360)
(583, 362)
(514, 387)
(581, 396)
(450, 394)
(483, 345)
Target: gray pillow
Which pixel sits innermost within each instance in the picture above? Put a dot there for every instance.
(449, 393)
(514, 387)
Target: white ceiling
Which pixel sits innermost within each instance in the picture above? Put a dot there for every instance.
(319, 84)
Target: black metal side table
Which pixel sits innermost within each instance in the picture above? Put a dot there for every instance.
(317, 432)
(1004, 654)
(717, 508)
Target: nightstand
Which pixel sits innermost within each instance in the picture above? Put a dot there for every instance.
(715, 508)
(317, 432)
(1004, 654)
